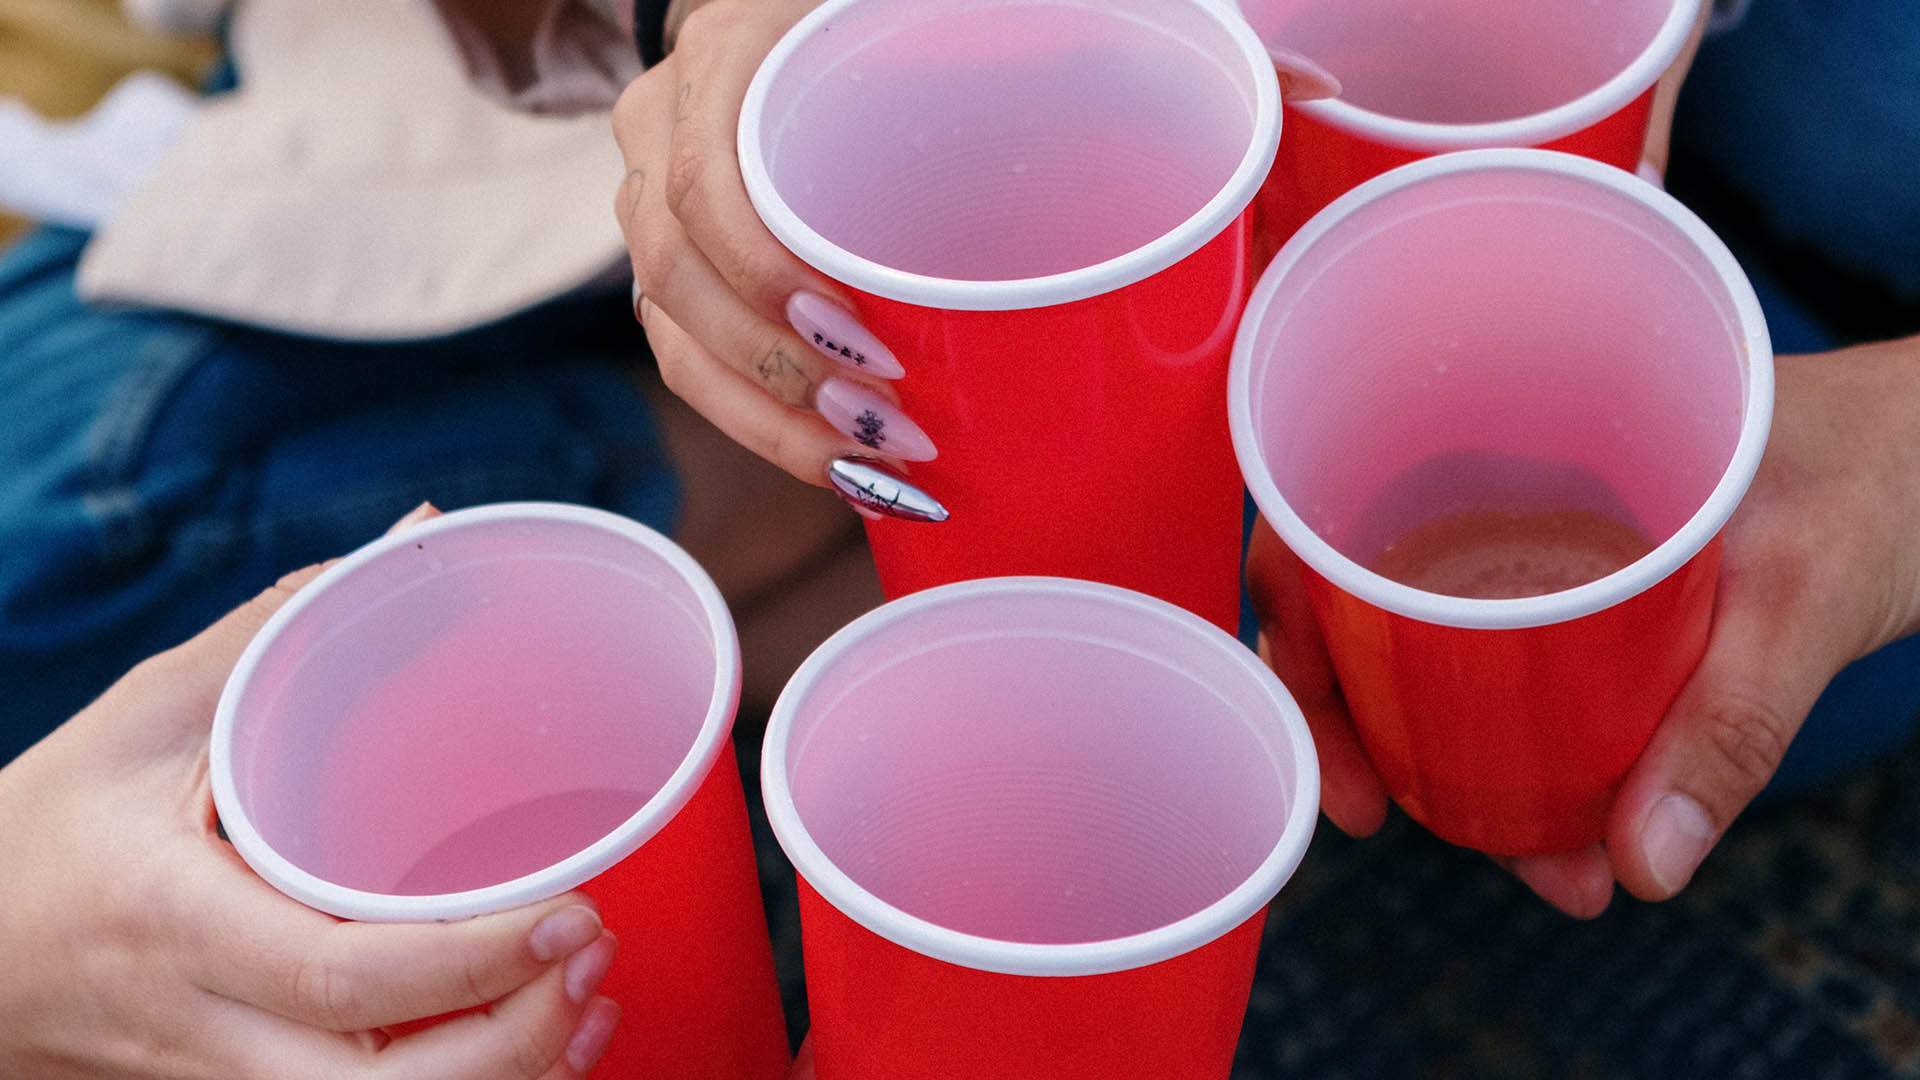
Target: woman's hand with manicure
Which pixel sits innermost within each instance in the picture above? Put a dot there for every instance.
(753, 339)
(138, 944)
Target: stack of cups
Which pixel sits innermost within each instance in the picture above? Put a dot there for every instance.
(1505, 368)
(1037, 824)
(1042, 208)
(500, 705)
(1424, 77)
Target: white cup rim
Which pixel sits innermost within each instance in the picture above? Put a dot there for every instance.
(1700, 529)
(955, 294)
(569, 873)
(1531, 130)
(1019, 958)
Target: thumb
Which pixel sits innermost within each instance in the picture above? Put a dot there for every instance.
(1719, 745)
(193, 675)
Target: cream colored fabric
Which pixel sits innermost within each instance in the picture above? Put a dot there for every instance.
(359, 187)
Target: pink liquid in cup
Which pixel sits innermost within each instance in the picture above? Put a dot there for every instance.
(1421, 77)
(498, 706)
(1040, 206)
(1037, 824)
(1519, 340)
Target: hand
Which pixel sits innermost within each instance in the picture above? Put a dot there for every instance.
(752, 338)
(1820, 570)
(138, 944)
(746, 333)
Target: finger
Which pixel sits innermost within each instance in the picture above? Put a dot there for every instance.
(426, 511)
(680, 281)
(1301, 79)
(186, 681)
(252, 944)
(193, 674)
(803, 1063)
(552, 1027)
(811, 322)
(242, 1041)
(799, 442)
(1579, 883)
(1666, 99)
(1720, 742)
(720, 48)
(1351, 794)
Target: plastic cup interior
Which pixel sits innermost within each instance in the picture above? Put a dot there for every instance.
(479, 712)
(1501, 328)
(925, 151)
(1041, 777)
(1525, 71)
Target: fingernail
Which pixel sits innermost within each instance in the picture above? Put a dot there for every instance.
(1674, 841)
(588, 967)
(590, 1038)
(876, 490)
(1651, 174)
(414, 517)
(1300, 78)
(872, 421)
(836, 332)
(564, 933)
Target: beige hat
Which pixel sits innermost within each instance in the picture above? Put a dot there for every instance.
(357, 186)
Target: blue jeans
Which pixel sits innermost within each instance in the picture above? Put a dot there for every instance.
(156, 469)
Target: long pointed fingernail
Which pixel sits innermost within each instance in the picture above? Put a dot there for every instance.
(1300, 78)
(874, 489)
(591, 1036)
(837, 333)
(1675, 839)
(872, 420)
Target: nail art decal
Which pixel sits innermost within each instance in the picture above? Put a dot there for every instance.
(835, 331)
(877, 491)
(872, 421)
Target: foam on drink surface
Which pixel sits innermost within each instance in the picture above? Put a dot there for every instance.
(1505, 554)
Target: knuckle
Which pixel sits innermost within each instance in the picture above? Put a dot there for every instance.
(475, 977)
(631, 109)
(761, 271)
(529, 1052)
(788, 451)
(658, 260)
(686, 172)
(708, 20)
(672, 372)
(773, 367)
(325, 994)
(1750, 739)
(626, 198)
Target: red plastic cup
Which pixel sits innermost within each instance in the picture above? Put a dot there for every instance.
(1040, 206)
(1505, 329)
(1423, 77)
(1037, 824)
(500, 705)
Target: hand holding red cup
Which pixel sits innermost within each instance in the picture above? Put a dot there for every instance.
(1492, 333)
